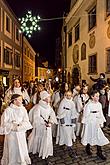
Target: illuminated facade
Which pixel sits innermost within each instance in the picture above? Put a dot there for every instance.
(10, 45)
(28, 61)
(86, 33)
(44, 74)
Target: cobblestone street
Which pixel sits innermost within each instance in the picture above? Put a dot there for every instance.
(61, 156)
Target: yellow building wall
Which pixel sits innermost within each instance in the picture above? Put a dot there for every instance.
(44, 73)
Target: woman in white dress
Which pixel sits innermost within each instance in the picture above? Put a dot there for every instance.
(42, 117)
(16, 88)
(67, 116)
(14, 124)
(93, 120)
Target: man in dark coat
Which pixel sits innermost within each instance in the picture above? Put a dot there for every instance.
(100, 82)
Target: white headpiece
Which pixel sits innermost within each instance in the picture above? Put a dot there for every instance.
(44, 95)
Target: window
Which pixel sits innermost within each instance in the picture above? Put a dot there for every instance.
(69, 38)
(108, 7)
(7, 56)
(7, 23)
(92, 18)
(108, 60)
(25, 50)
(83, 51)
(17, 60)
(77, 31)
(92, 64)
(17, 34)
(28, 53)
(31, 57)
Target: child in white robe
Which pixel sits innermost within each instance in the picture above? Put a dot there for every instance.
(93, 120)
(14, 124)
(67, 115)
(81, 101)
(42, 117)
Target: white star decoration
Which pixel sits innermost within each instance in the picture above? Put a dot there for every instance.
(29, 24)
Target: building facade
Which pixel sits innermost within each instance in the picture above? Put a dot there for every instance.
(43, 73)
(28, 61)
(10, 45)
(86, 40)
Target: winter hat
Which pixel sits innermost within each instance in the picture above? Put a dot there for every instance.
(44, 95)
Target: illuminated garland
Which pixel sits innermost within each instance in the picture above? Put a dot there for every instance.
(29, 24)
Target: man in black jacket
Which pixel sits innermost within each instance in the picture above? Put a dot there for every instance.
(99, 82)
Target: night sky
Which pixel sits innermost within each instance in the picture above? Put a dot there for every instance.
(43, 41)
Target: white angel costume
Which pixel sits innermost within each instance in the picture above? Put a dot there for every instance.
(15, 147)
(67, 115)
(40, 140)
(93, 120)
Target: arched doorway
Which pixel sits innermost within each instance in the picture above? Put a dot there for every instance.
(76, 76)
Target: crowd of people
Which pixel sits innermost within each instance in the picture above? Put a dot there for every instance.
(36, 113)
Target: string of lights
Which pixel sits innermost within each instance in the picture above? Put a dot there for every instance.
(29, 23)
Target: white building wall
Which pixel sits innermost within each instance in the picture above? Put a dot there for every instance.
(102, 42)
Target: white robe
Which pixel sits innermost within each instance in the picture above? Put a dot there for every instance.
(40, 140)
(79, 108)
(15, 147)
(65, 132)
(23, 93)
(93, 120)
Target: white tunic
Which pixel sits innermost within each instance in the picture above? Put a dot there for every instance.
(85, 98)
(23, 93)
(66, 112)
(15, 147)
(108, 96)
(93, 120)
(40, 140)
(55, 99)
